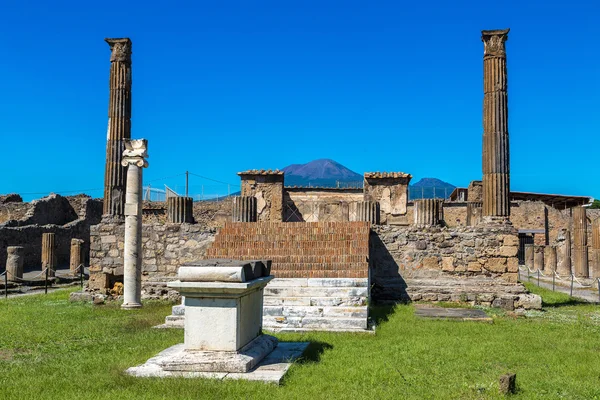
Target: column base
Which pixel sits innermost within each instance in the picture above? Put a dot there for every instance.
(131, 306)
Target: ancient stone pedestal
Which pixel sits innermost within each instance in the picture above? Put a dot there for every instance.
(549, 259)
(595, 267)
(474, 213)
(48, 253)
(529, 256)
(134, 157)
(244, 209)
(267, 188)
(538, 258)
(580, 249)
(76, 257)
(14, 262)
(390, 191)
(119, 125)
(428, 212)
(496, 165)
(564, 264)
(223, 323)
(180, 210)
(368, 211)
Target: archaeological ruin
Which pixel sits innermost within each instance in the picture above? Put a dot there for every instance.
(333, 250)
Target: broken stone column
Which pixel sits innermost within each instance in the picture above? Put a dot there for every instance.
(595, 267)
(48, 253)
(474, 213)
(119, 125)
(564, 262)
(180, 210)
(538, 258)
(496, 165)
(529, 256)
(14, 262)
(244, 209)
(549, 259)
(76, 257)
(368, 211)
(580, 249)
(134, 158)
(428, 211)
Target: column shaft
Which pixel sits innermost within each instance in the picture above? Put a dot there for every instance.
(76, 257)
(48, 253)
(595, 267)
(119, 125)
(180, 210)
(14, 262)
(244, 209)
(580, 249)
(496, 163)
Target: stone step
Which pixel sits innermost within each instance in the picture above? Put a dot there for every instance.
(316, 311)
(318, 282)
(310, 291)
(313, 323)
(315, 301)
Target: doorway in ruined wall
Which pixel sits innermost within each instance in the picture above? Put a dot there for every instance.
(524, 238)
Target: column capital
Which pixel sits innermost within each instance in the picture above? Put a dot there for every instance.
(121, 49)
(493, 42)
(135, 153)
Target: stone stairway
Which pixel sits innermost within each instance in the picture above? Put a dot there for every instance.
(321, 271)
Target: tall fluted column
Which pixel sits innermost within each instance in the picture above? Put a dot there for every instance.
(134, 158)
(580, 249)
(119, 125)
(48, 253)
(596, 248)
(496, 163)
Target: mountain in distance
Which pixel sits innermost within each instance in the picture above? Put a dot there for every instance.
(429, 188)
(321, 173)
(330, 173)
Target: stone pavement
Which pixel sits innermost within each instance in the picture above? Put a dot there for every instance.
(463, 314)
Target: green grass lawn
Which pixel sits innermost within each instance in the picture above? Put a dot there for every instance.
(53, 349)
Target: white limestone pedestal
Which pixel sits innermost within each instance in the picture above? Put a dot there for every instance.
(223, 329)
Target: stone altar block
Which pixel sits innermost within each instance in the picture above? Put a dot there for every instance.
(223, 302)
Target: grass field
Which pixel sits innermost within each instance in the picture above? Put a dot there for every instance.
(53, 349)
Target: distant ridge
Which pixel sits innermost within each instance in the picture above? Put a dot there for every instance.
(329, 173)
(324, 172)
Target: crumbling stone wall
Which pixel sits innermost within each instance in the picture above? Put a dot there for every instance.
(399, 253)
(164, 248)
(391, 191)
(53, 214)
(267, 187)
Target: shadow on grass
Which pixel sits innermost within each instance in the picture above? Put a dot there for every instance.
(313, 352)
(570, 301)
(381, 313)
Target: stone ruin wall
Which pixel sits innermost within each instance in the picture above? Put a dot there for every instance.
(412, 253)
(66, 217)
(164, 248)
(268, 189)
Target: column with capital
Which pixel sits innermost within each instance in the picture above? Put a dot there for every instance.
(119, 125)
(496, 165)
(134, 158)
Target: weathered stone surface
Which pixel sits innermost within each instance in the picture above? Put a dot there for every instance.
(119, 125)
(14, 263)
(508, 384)
(180, 210)
(496, 169)
(267, 188)
(244, 209)
(428, 211)
(390, 190)
(529, 302)
(48, 253)
(580, 249)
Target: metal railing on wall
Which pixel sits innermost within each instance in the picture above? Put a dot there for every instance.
(571, 280)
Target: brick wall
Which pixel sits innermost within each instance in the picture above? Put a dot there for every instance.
(299, 250)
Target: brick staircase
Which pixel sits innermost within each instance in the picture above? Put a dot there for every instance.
(321, 271)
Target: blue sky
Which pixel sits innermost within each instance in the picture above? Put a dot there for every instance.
(220, 87)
